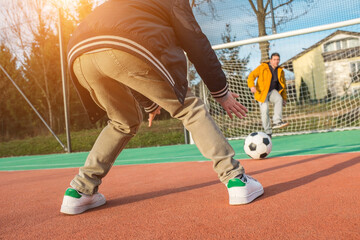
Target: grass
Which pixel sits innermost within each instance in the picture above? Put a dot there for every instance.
(164, 132)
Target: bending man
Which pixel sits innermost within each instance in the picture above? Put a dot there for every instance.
(131, 53)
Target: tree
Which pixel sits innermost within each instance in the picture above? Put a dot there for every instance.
(229, 57)
(36, 51)
(235, 67)
(42, 68)
(38, 54)
(13, 108)
(83, 8)
(283, 12)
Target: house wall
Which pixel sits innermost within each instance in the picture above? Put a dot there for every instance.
(311, 68)
(355, 88)
(338, 76)
(340, 36)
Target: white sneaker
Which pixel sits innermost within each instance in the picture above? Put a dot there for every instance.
(75, 202)
(281, 124)
(243, 190)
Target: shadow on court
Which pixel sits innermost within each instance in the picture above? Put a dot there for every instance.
(156, 194)
(317, 157)
(282, 187)
(269, 191)
(306, 197)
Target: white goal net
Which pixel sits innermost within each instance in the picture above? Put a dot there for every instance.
(323, 83)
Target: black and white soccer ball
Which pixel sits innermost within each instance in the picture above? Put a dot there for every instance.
(257, 145)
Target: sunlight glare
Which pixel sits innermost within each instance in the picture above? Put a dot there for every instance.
(61, 3)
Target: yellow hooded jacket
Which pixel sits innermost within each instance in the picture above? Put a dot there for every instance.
(264, 75)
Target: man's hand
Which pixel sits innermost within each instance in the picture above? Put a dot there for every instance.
(229, 103)
(153, 114)
(253, 89)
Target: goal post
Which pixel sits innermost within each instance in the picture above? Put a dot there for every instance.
(323, 81)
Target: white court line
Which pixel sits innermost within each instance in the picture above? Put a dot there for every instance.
(181, 157)
(36, 157)
(42, 157)
(139, 159)
(316, 148)
(76, 166)
(40, 165)
(117, 160)
(147, 159)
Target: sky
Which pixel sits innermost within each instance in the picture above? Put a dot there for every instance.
(243, 23)
(26, 18)
(244, 26)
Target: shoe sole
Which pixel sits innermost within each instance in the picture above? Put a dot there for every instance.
(236, 199)
(281, 126)
(81, 209)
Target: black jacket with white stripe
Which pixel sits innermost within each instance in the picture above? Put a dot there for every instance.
(158, 32)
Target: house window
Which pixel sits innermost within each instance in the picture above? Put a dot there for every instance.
(355, 71)
(341, 44)
(344, 44)
(329, 47)
(353, 42)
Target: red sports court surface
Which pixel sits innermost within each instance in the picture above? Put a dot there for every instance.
(306, 197)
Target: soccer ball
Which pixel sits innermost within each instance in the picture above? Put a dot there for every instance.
(257, 145)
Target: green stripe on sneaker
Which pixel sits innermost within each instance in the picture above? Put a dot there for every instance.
(235, 182)
(72, 193)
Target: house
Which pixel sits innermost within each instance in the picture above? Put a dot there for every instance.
(330, 67)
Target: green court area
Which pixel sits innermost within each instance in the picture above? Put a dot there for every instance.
(307, 144)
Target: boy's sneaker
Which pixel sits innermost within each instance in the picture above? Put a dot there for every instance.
(281, 124)
(75, 202)
(243, 190)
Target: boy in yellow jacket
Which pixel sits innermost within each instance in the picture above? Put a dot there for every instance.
(270, 87)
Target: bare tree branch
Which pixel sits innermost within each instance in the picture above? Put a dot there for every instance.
(283, 4)
(267, 4)
(252, 6)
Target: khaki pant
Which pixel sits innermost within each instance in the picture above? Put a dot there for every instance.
(275, 98)
(108, 75)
